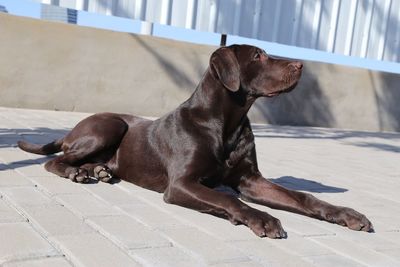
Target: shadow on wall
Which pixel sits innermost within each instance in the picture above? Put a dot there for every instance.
(306, 105)
(175, 72)
(387, 96)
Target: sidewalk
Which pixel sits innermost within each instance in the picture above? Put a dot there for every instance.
(46, 220)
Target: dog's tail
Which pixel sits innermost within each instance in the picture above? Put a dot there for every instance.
(47, 149)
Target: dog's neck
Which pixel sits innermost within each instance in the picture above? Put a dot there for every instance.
(228, 108)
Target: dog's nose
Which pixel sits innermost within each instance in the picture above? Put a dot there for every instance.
(297, 64)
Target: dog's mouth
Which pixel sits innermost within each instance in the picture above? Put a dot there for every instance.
(289, 82)
(284, 90)
(273, 94)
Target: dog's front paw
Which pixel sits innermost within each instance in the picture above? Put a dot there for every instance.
(351, 218)
(263, 224)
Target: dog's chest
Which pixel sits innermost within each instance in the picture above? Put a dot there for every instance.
(238, 146)
(234, 151)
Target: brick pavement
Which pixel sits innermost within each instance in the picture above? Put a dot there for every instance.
(49, 221)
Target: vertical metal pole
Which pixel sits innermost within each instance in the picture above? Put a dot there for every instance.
(223, 40)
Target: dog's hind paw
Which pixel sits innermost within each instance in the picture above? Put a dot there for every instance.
(102, 173)
(79, 175)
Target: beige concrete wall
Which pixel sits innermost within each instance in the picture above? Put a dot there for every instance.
(55, 66)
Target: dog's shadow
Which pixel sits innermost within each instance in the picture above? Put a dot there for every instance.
(22, 163)
(93, 180)
(289, 182)
(302, 184)
(292, 183)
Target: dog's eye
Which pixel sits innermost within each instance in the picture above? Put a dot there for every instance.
(257, 56)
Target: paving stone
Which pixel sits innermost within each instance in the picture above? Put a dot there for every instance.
(175, 215)
(8, 213)
(94, 250)
(127, 232)
(392, 253)
(390, 236)
(20, 241)
(385, 223)
(265, 252)
(149, 196)
(55, 185)
(198, 243)
(356, 251)
(151, 216)
(26, 196)
(333, 261)
(100, 221)
(129, 187)
(369, 240)
(12, 178)
(86, 205)
(217, 227)
(240, 264)
(34, 170)
(301, 246)
(10, 124)
(111, 193)
(165, 257)
(365, 202)
(54, 219)
(12, 156)
(41, 262)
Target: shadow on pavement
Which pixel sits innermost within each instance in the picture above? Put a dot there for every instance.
(10, 137)
(17, 164)
(41, 135)
(292, 183)
(302, 184)
(360, 138)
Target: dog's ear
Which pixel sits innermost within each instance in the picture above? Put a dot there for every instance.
(224, 64)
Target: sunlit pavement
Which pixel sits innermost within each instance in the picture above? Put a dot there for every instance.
(46, 220)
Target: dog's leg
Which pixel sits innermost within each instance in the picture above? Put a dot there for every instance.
(61, 166)
(201, 198)
(93, 141)
(259, 190)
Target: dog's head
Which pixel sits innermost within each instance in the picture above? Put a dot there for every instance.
(250, 68)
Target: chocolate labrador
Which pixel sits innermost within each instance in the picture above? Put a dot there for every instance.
(206, 142)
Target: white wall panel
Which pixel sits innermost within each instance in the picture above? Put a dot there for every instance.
(363, 28)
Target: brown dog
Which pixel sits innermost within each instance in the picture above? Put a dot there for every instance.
(207, 141)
